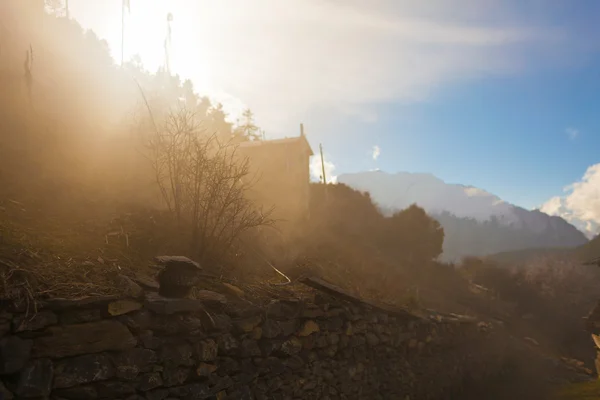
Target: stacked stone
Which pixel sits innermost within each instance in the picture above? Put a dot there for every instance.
(158, 348)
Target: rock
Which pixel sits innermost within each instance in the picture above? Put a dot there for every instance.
(210, 298)
(294, 362)
(4, 328)
(175, 376)
(333, 338)
(178, 276)
(219, 383)
(92, 337)
(372, 339)
(132, 289)
(205, 370)
(247, 324)
(14, 354)
(234, 290)
(146, 282)
(220, 323)
(179, 354)
(167, 306)
(176, 260)
(206, 350)
(39, 321)
(256, 333)
(81, 370)
(121, 307)
(5, 394)
(292, 346)
(243, 393)
(249, 348)
(114, 389)
(280, 309)
(228, 366)
(149, 381)
(84, 392)
(35, 380)
(139, 321)
(312, 312)
(227, 344)
(80, 316)
(193, 391)
(308, 328)
(332, 324)
(148, 340)
(288, 328)
(268, 347)
(271, 329)
(58, 304)
(532, 341)
(131, 363)
(158, 394)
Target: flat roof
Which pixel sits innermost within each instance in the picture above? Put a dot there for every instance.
(292, 140)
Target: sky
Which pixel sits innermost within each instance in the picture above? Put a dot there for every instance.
(498, 94)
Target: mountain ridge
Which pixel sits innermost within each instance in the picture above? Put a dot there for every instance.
(475, 221)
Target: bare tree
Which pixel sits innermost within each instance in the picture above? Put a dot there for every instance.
(203, 183)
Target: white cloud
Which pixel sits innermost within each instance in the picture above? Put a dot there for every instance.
(284, 58)
(581, 205)
(572, 133)
(376, 152)
(316, 169)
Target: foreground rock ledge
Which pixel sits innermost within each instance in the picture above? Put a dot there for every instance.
(92, 337)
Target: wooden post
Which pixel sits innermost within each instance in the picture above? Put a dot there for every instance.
(122, 31)
(322, 164)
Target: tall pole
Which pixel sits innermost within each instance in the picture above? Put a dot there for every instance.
(67, 8)
(122, 31)
(322, 163)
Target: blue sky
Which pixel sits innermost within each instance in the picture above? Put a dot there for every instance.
(499, 94)
(512, 136)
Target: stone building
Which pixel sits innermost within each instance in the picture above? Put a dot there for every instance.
(280, 175)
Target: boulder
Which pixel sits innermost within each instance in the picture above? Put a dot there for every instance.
(249, 348)
(114, 389)
(175, 376)
(14, 354)
(210, 298)
(206, 350)
(308, 328)
(131, 363)
(38, 321)
(149, 381)
(35, 380)
(178, 354)
(247, 325)
(193, 391)
(5, 394)
(80, 316)
(92, 337)
(83, 369)
(167, 306)
(58, 304)
(120, 307)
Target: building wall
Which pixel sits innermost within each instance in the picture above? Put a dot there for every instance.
(280, 177)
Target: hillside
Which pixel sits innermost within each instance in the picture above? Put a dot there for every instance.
(475, 222)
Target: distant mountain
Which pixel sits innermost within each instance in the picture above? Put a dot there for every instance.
(475, 222)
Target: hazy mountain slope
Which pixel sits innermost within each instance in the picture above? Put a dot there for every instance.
(475, 222)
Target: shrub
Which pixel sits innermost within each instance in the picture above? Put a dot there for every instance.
(203, 183)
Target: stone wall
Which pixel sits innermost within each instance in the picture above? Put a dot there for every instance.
(214, 348)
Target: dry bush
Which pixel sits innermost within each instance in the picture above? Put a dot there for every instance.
(203, 183)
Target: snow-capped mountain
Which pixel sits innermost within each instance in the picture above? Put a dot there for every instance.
(475, 222)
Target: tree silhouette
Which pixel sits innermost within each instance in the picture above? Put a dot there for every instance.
(247, 130)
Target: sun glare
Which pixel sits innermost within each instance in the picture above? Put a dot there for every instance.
(146, 33)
